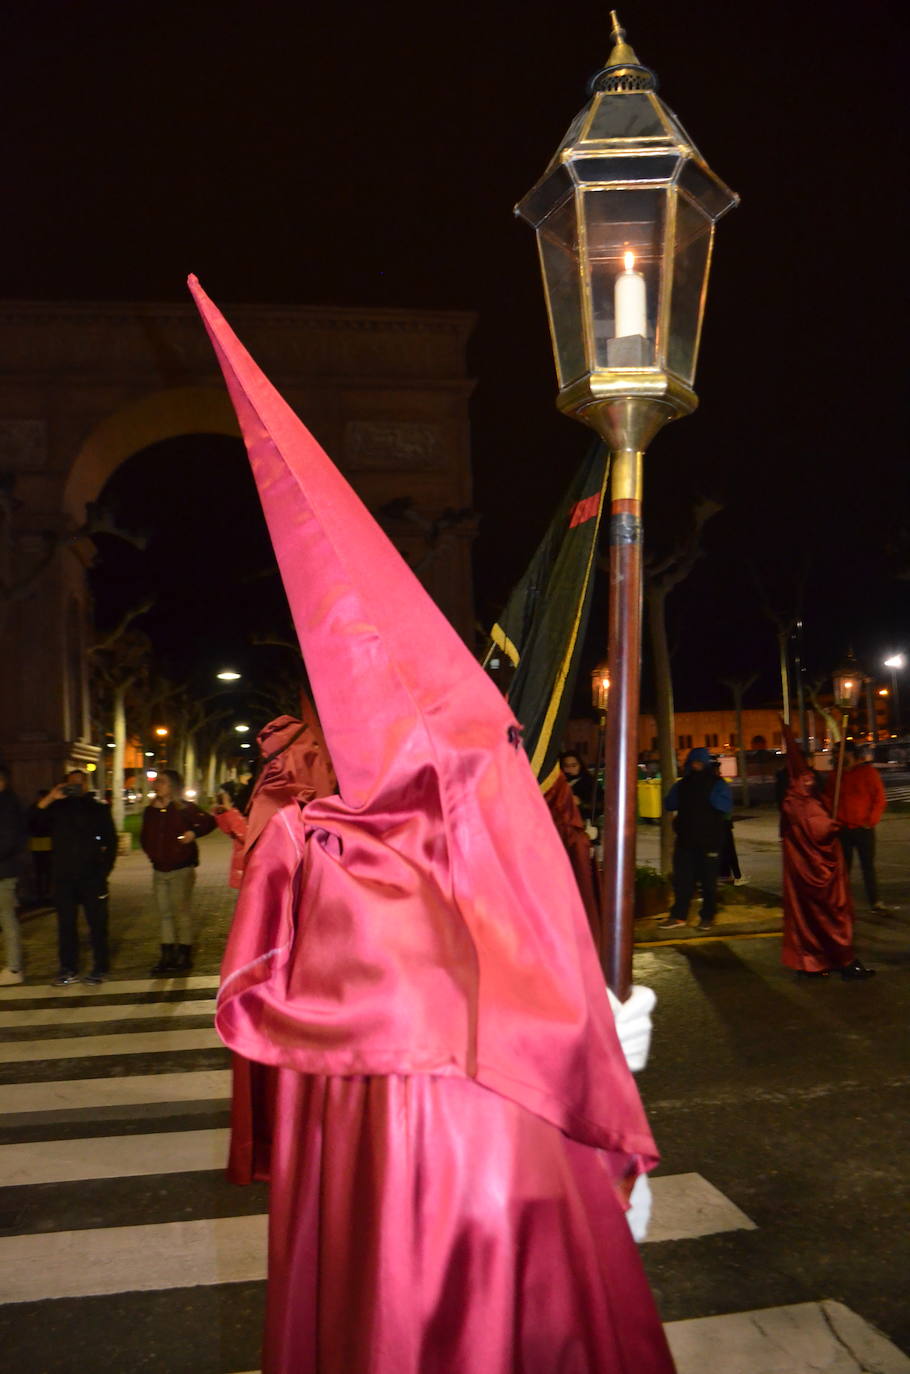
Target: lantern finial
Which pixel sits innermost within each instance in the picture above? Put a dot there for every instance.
(621, 53)
(623, 71)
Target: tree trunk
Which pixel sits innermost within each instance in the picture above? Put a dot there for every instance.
(741, 748)
(189, 760)
(782, 637)
(118, 766)
(663, 688)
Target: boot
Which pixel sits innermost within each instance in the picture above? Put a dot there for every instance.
(184, 960)
(166, 964)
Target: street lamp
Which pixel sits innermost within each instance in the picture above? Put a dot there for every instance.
(624, 216)
(895, 662)
(241, 729)
(228, 675)
(161, 731)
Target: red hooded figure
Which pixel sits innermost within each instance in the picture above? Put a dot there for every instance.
(818, 907)
(294, 768)
(448, 1145)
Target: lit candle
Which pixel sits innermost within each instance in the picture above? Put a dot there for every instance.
(630, 301)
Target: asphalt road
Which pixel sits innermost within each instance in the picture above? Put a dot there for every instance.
(792, 1098)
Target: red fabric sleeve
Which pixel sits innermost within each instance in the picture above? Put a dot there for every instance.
(876, 796)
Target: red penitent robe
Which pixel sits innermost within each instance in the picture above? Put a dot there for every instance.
(818, 908)
(453, 1112)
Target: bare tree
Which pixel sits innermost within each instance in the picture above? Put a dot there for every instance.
(662, 574)
(119, 661)
(739, 686)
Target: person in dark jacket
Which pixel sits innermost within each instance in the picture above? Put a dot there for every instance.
(170, 826)
(702, 803)
(84, 852)
(12, 844)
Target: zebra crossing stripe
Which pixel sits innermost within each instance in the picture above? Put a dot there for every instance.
(91, 1046)
(685, 1206)
(130, 1259)
(180, 1254)
(36, 1017)
(797, 1339)
(117, 1156)
(137, 1090)
(45, 992)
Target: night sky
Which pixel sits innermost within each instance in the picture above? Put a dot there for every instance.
(371, 155)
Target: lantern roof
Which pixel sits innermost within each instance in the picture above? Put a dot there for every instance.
(626, 136)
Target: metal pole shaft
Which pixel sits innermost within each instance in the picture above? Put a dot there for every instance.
(621, 751)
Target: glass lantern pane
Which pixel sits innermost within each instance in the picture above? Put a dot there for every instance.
(690, 263)
(557, 239)
(624, 231)
(627, 115)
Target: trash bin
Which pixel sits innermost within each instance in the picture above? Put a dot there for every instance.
(649, 799)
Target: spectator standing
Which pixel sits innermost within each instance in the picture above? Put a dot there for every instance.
(12, 845)
(702, 804)
(84, 850)
(170, 827)
(859, 810)
(581, 782)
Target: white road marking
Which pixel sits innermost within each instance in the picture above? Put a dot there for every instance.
(684, 1206)
(137, 1090)
(804, 1338)
(129, 1259)
(34, 1017)
(118, 1156)
(90, 1046)
(43, 991)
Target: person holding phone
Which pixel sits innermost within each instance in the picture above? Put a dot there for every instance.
(84, 850)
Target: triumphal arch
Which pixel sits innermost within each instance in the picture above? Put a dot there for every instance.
(83, 387)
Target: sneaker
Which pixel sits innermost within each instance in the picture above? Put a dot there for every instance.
(671, 924)
(705, 925)
(741, 880)
(10, 977)
(881, 910)
(65, 979)
(93, 978)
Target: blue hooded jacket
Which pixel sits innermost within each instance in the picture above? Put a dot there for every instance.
(702, 801)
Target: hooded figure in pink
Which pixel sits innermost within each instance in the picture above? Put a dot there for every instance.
(449, 1149)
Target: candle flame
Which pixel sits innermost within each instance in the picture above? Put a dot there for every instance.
(629, 260)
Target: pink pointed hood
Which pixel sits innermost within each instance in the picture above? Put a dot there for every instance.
(431, 922)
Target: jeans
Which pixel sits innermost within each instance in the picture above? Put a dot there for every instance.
(863, 842)
(691, 867)
(173, 894)
(10, 921)
(89, 892)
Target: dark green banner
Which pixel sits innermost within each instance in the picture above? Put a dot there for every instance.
(542, 628)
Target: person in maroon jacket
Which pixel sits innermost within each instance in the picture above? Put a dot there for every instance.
(859, 810)
(170, 826)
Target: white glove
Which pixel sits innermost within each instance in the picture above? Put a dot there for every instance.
(633, 1024)
(639, 1214)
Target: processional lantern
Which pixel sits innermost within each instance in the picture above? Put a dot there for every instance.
(624, 216)
(847, 680)
(600, 687)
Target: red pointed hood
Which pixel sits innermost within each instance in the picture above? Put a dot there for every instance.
(425, 920)
(367, 629)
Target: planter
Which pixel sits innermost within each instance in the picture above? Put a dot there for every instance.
(652, 900)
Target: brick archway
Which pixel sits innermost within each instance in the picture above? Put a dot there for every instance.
(83, 387)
